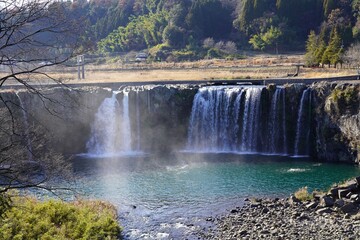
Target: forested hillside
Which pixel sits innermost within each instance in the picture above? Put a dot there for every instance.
(186, 29)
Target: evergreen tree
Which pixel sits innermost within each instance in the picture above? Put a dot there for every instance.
(311, 47)
(246, 14)
(321, 46)
(328, 5)
(209, 18)
(301, 15)
(334, 50)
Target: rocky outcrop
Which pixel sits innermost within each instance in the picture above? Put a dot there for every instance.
(337, 122)
(334, 215)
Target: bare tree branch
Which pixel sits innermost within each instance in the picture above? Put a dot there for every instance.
(34, 35)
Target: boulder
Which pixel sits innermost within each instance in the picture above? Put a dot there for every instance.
(348, 208)
(343, 192)
(355, 198)
(293, 200)
(311, 205)
(326, 201)
(334, 192)
(351, 185)
(339, 203)
(325, 210)
(357, 180)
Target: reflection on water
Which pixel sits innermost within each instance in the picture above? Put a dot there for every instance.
(169, 197)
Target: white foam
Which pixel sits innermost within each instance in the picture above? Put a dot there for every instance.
(298, 170)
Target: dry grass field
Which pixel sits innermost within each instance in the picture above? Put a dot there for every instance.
(256, 67)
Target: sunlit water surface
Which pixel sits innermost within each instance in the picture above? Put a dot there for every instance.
(171, 197)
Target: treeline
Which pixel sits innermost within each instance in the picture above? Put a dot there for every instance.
(183, 26)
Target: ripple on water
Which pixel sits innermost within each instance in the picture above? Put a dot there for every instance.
(299, 170)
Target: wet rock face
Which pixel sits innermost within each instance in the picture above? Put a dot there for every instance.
(60, 116)
(165, 111)
(163, 114)
(67, 115)
(337, 122)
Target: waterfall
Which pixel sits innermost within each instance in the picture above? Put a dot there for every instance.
(214, 122)
(125, 120)
(138, 125)
(277, 123)
(251, 119)
(26, 129)
(303, 125)
(242, 119)
(111, 130)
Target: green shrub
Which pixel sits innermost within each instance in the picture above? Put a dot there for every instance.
(303, 194)
(188, 55)
(346, 96)
(346, 99)
(214, 53)
(31, 219)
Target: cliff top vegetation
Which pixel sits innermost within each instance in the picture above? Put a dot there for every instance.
(179, 30)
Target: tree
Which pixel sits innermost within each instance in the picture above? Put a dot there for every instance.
(208, 43)
(34, 35)
(209, 18)
(328, 5)
(332, 54)
(356, 10)
(322, 43)
(246, 14)
(311, 47)
(266, 39)
(352, 54)
(301, 15)
(173, 35)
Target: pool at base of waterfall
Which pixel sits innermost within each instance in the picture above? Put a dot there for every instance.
(172, 197)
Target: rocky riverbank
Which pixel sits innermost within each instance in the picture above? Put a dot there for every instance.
(331, 215)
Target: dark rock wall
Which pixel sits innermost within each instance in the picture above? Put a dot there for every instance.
(60, 116)
(164, 116)
(337, 122)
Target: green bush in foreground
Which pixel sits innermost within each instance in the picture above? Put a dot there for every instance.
(32, 219)
(303, 194)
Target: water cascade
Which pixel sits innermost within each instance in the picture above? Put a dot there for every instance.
(246, 119)
(212, 120)
(250, 123)
(138, 124)
(111, 130)
(303, 125)
(277, 123)
(26, 129)
(225, 119)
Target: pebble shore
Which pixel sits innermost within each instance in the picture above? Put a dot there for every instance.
(327, 216)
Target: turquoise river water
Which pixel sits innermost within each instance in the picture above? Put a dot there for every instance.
(171, 197)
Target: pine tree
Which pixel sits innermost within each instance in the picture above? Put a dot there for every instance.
(247, 14)
(311, 48)
(335, 47)
(328, 5)
(321, 46)
(333, 50)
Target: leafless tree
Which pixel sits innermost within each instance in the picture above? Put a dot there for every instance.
(208, 43)
(352, 55)
(34, 35)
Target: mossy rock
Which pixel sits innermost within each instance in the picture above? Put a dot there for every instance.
(343, 100)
